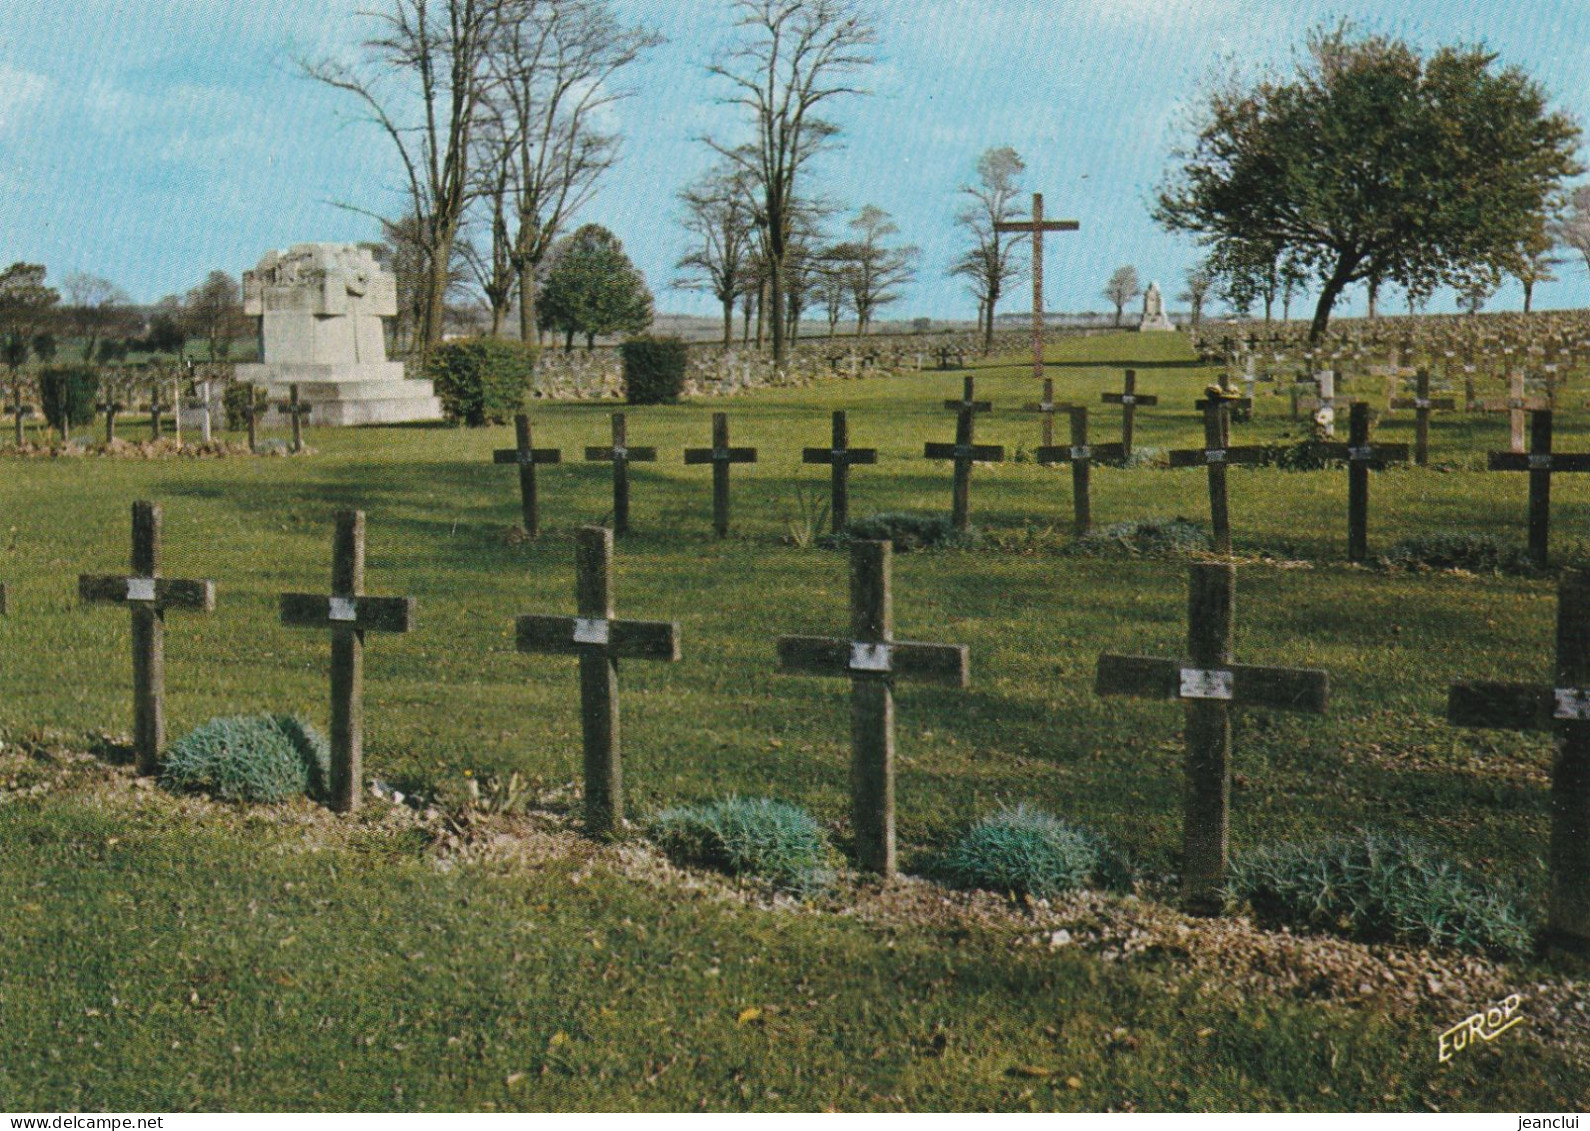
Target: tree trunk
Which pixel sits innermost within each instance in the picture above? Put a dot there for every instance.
(527, 302)
(1529, 294)
(1327, 299)
(728, 323)
(1269, 305)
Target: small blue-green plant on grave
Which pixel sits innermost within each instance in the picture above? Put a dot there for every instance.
(1377, 888)
(1028, 852)
(748, 836)
(1464, 550)
(908, 532)
(265, 758)
(1153, 537)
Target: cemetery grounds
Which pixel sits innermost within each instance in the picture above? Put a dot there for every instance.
(469, 949)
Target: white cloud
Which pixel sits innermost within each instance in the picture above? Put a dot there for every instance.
(20, 93)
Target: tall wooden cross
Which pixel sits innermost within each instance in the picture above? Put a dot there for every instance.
(1361, 456)
(1129, 398)
(1046, 408)
(599, 639)
(964, 453)
(839, 456)
(1080, 455)
(1217, 454)
(148, 595)
(1562, 706)
(1210, 685)
(296, 409)
(873, 661)
(1422, 403)
(109, 407)
(1035, 226)
(349, 614)
(969, 398)
(1517, 406)
(18, 411)
(157, 408)
(720, 456)
(526, 455)
(252, 407)
(621, 455)
(1540, 462)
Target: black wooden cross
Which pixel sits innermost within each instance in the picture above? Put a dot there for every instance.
(18, 411)
(1361, 456)
(839, 456)
(109, 407)
(720, 456)
(621, 455)
(1562, 706)
(964, 453)
(148, 595)
(252, 407)
(1422, 402)
(873, 661)
(969, 399)
(349, 614)
(1080, 455)
(157, 408)
(1129, 398)
(296, 409)
(1217, 454)
(1035, 227)
(1240, 407)
(599, 640)
(1210, 684)
(1046, 408)
(1540, 462)
(526, 455)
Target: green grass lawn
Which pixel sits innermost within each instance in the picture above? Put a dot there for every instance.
(154, 904)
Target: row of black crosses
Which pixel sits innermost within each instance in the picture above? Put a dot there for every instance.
(1208, 682)
(159, 408)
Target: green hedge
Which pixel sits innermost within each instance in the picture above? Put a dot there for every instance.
(68, 393)
(654, 369)
(482, 380)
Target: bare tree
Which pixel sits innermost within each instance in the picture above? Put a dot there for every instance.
(718, 218)
(213, 310)
(93, 306)
(423, 81)
(1199, 283)
(1572, 228)
(989, 264)
(874, 272)
(792, 56)
(1122, 288)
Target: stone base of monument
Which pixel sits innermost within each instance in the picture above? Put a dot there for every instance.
(1155, 325)
(342, 395)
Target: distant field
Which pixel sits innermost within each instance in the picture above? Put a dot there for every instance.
(147, 904)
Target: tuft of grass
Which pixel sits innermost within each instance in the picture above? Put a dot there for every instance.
(266, 758)
(1153, 537)
(747, 836)
(1028, 852)
(908, 531)
(1376, 888)
(1476, 553)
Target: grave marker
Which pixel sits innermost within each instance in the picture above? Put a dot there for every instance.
(969, 399)
(1421, 402)
(1210, 685)
(1046, 408)
(840, 456)
(526, 455)
(108, 407)
(349, 614)
(296, 409)
(1540, 462)
(599, 640)
(621, 455)
(964, 453)
(1361, 455)
(721, 457)
(1562, 706)
(1129, 398)
(1080, 455)
(148, 595)
(1035, 227)
(1216, 454)
(156, 408)
(18, 411)
(873, 661)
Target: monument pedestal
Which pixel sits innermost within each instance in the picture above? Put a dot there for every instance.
(341, 395)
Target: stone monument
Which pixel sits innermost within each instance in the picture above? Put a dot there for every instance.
(1154, 318)
(320, 307)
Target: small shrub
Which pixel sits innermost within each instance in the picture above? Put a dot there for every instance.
(1476, 553)
(747, 836)
(654, 369)
(1028, 852)
(907, 531)
(1153, 537)
(1376, 887)
(67, 394)
(482, 380)
(250, 758)
(234, 399)
(1305, 455)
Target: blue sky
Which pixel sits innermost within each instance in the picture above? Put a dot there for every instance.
(151, 141)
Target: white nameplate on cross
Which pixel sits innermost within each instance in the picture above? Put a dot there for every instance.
(344, 609)
(1082, 453)
(1573, 704)
(1360, 454)
(589, 630)
(620, 453)
(1128, 398)
(140, 589)
(870, 657)
(1215, 455)
(1540, 462)
(1199, 683)
(1421, 402)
